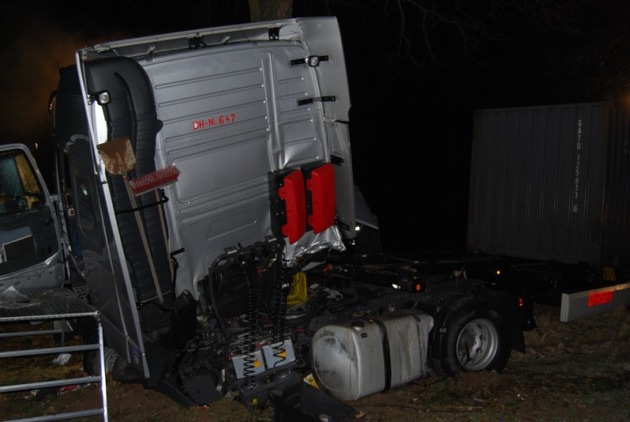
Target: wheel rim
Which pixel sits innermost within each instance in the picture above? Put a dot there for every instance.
(477, 344)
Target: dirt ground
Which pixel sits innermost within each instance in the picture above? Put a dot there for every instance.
(576, 371)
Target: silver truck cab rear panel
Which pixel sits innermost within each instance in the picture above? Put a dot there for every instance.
(242, 120)
(233, 113)
(234, 110)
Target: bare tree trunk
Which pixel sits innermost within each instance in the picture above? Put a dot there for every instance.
(262, 10)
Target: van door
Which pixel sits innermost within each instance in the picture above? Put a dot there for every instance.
(31, 252)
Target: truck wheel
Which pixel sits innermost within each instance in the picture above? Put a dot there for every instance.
(472, 337)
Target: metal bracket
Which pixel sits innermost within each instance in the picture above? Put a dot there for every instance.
(274, 33)
(325, 98)
(311, 61)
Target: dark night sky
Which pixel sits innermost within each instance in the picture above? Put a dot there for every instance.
(411, 118)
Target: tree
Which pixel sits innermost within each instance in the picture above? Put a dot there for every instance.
(263, 10)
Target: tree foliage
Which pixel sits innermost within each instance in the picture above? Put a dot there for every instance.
(570, 49)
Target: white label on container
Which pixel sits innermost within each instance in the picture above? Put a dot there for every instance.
(576, 171)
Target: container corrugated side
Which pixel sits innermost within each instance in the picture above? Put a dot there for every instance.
(551, 183)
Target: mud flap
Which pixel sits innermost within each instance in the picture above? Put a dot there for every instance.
(303, 402)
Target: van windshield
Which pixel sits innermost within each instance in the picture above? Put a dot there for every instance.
(19, 189)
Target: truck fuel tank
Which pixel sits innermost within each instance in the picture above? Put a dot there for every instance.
(367, 355)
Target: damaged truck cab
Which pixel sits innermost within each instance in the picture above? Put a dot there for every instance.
(207, 200)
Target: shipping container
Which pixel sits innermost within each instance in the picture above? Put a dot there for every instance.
(551, 183)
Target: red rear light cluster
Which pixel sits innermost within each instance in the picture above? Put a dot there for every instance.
(305, 201)
(294, 197)
(321, 185)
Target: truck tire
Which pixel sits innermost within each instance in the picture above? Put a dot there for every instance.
(471, 337)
